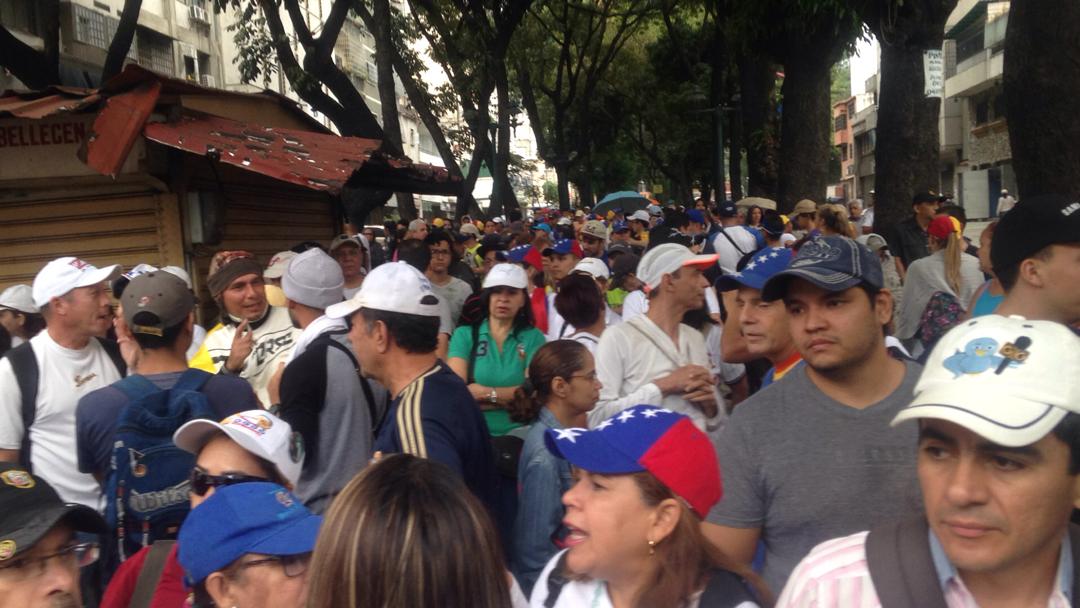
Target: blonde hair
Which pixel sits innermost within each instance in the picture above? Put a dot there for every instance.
(407, 533)
(833, 219)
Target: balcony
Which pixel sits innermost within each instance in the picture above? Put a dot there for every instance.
(975, 74)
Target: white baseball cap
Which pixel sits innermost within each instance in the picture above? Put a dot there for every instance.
(594, 267)
(393, 287)
(18, 297)
(564, 221)
(666, 259)
(640, 215)
(62, 275)
(257, 431)
(506, 275)
(1007, 379)
(276, 268)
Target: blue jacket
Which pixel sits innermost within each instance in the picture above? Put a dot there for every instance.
(543, 479)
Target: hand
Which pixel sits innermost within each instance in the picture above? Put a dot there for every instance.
(705, 400)
(479, 392)
(683, 380)
(130, 350)
(273, 387)
(242, 345)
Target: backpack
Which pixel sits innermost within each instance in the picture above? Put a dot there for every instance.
(24, 366)
(902, 568)
(146, 488)
(377, 411)
(942, 313)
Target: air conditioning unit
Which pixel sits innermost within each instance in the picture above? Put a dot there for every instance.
(207, 80)
(198, 13)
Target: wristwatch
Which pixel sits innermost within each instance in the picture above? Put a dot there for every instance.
(493, 396)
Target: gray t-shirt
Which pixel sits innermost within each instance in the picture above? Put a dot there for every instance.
(806, 468)
(454, 294)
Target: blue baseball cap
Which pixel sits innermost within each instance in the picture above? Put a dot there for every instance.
(833, 263)
(542, 226)
(695, 216)
(255, 517)
(646, 438)
(565, 246)
(620, 226)
(761, 267)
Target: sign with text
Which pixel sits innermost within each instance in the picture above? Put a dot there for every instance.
(49, 147)
(934, 73)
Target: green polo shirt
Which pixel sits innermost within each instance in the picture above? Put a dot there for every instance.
(497, 368)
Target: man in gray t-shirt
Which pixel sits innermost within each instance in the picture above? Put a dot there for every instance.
(812, 457)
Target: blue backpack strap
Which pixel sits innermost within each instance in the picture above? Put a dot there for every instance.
(192, 380)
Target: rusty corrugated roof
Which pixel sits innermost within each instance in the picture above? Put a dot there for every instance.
(47, 102)
(312, 160)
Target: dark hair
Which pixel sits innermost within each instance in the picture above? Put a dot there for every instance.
(676, 219)
(1068, 430)
(34, 321)
(5, 340)
(435, 237)
(558, 359)
(954, 211)
(167, 338)
(523, 319)
(415, 253)
(1009, 275)
(579, 301)
(306, 245)
(444, 545)
(415, 334)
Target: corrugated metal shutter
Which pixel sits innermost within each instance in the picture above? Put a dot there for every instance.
(107, 227)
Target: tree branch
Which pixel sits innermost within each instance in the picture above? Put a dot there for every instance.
(121, 42)
(300, 27)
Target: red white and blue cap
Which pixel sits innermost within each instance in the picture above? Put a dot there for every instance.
(646, 438)
(760, 268)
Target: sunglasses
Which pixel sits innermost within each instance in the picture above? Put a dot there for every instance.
(293, 565)
(202, 482)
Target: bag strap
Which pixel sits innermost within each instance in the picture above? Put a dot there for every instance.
(730, 240)
(725, 588)
(135, 387)
(369, 395)
(901, 566)
(1074, 540)
(150, 575)
(192, 379)
(113, 350)
(472, 352)
(24, 366)
(557, 579)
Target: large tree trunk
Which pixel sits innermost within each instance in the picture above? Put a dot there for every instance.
(756, 85)
(735, 138)
(1042, 84)
(804, 129)
(384, 66)
(562, 174)
(121, 42)
(505, 200)
(907, 154)
(36, 69)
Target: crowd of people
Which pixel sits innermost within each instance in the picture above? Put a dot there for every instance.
(716, 406)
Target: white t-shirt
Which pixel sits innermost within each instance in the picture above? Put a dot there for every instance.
(64, 377)
(586, 339)
(589, 593)
(729, 255)
(635, 303)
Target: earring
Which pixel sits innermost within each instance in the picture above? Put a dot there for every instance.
(652, 547)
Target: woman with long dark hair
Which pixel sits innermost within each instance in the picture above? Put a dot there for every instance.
(407, 533)
(561, 389)
(491, 356)
(645, 480)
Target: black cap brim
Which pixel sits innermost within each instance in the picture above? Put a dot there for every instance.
(26, 532)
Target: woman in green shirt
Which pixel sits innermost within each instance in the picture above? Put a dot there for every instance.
(492, 357)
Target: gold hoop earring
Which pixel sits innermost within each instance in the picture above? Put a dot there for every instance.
(652, 547)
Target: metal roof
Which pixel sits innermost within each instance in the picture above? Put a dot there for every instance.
(47, 102)
(312, 160)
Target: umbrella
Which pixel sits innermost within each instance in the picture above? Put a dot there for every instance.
(628, 201)
(750, 201)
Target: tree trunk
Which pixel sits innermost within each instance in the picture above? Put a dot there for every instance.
(756, 84)
(804, 130)
(384, 66)
(908, 149)
(506, 199)
(735, 138)
(1042, 84)
(562, 171)
(121, 42)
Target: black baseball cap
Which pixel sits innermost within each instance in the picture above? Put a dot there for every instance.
(924, 197)
(30, 507)
(833, 263)
(1033, 224)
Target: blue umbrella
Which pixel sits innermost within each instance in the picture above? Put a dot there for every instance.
(627, 201)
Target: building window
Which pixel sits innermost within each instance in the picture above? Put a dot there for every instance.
(20, 15)
(156, 54)
(840, 122)
(92, 27)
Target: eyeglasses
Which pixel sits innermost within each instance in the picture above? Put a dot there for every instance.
(75, 555)
(589, 376)
(440, 252)
(201, 481)
(292, 565)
